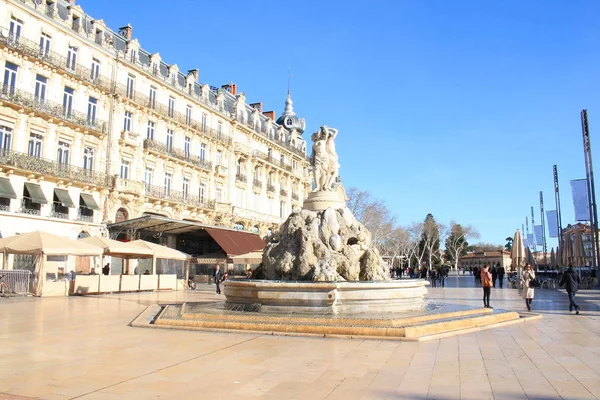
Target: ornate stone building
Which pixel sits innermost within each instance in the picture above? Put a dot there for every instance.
(95, 130)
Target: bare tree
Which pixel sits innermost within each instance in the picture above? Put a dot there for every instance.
(456, 242)
(373, 214)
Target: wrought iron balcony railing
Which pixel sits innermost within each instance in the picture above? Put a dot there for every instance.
(33, 49)
(257, 183)
(29, 207)
(52, 168)
(241, 178)
(270, 188)
(179, 154)
(164, 193)
(58, 211)
(295, 196)
(28, 100)
(83, 214)
(283, 192)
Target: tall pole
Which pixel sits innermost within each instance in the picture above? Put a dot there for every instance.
(589, 172)
(557, 201)
(527, 231)
(544, 248)
(533, 228)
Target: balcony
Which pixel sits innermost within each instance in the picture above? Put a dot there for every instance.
(295, 196)
(27, 100)
(163, 193)
(270, 188)
(283, 193)
(29, 207)
(130, 137)
(50, 168)
(59, 211)
(257, 183)
(272, 160)
(129, 186)
(33, 50)
(178, 154)
(241, 178)
(83, 214)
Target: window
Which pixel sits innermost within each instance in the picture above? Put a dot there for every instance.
(282, 210)
(72, 58)
(203, 122)
(95, 72)
(133, 55)
(68, 101)
(256, 172)
(45, 43)
(219, 194)
(282, 160)
(186, 147)
(220, 128)
(127, 121)
(16, 27)
(88, 159)
(269, 153)
(91, 111)
(63, 152)
(168, 178)
(154, 68)
(150, 130)
(124, 169)
(202, 191)
(238, 167)
(148, 176)
(10, 77)
(130, 86)
(218, 157)
(171, 109)
(40, 88)
(5, 137)
(186, 187)
(169, 139)
(188, 115)
(202, 151)
(152, 97)
(35, 145)
(294, 164)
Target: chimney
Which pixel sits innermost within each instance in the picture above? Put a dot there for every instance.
(231, 88)
(195, 73)
(269, 114)
(126, 32)
(257, 106)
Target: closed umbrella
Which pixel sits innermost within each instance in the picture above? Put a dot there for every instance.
(517, 253)
(553, 259)
(566, 250)
(578, 250)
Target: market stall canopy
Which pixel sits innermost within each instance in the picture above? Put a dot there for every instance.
(160, 251)
(38, 242)
(235, 243)
(118, 249)
(253, 257)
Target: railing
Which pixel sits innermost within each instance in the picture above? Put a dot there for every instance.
(58, 211)
(283, 192)
(270, 159)
(162, 193)
(33, 49)
(129, 186)
(4, 207)
(28, 100)
(179, 154)
(16, 281)
(27, 207)
(241, 178)
(295, 196)
(81, 216)
(52, 168)
(270, 188)
(257, 183)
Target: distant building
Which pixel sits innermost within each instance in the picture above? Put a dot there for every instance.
(479, 259)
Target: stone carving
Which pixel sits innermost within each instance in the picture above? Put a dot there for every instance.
(324, 158)
(328, 245)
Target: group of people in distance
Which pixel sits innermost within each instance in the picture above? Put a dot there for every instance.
(570, 280)
(219, 277)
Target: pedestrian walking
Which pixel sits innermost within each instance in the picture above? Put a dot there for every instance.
(486, 283)
(526, 280)
(494, 275)
(218, 276)
(571, 281)
(500, 271)
(432, 277)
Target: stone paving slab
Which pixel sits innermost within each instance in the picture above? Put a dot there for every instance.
(83, 348)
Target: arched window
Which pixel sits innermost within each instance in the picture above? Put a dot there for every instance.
(255, 229)
(239, 166)
(256, 172)
(239, 226)
(83, 235)
(270, 181)
(122, 215)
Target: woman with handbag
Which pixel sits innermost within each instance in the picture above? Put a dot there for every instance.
(528, 280)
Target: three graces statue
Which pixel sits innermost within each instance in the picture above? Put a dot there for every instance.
(324, 159)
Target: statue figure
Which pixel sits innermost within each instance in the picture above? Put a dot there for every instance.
(334, 166)
(320, 159)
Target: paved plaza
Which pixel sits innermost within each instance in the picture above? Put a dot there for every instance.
(83, 348)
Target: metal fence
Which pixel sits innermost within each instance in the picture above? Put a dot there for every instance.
(14, 281)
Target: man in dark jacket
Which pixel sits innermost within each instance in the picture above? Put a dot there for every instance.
(571, 281)
(500, 271)
(218, 277)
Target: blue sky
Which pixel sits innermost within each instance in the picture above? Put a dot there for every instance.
(457, 108)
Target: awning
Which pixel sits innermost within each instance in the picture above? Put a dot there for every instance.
(89, 201)
(64, 198)
(6, 189)
(254, 257)
(236, 242)
(35, 192)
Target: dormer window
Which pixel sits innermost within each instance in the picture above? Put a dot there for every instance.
(133, 55)
(76, 26)
(154, 68)
(99, 35)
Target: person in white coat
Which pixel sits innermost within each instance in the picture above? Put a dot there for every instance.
(528, 292)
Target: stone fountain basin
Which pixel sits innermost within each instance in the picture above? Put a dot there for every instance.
(327, 297)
